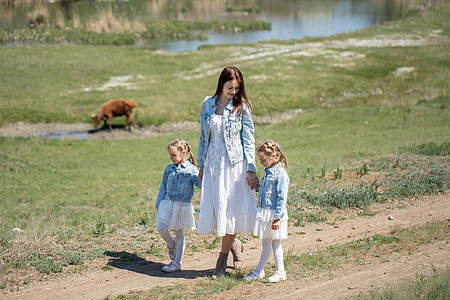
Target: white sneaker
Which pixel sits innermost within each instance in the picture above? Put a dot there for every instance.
(172, 267)
(254, 274)
(173, 249)
(277, 276)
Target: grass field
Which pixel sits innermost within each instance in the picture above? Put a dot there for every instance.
(363, 95)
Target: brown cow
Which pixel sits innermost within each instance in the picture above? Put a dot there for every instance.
(115, 108)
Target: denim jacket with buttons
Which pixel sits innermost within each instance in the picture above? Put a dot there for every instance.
(178, 183)
(238, 131)
(273, 190)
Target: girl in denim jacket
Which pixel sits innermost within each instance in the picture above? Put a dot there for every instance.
(174, 206)
(271, 218)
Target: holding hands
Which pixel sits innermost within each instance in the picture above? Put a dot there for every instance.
(252, 180)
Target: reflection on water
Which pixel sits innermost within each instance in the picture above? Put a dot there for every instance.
(290, 19)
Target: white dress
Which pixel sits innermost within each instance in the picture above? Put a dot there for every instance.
(227, 204)
(263, 224)
(175, 214)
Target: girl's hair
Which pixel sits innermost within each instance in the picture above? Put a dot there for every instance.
(181, 146)
(268, 147)
(230, 73)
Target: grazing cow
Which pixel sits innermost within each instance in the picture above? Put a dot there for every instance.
(115, 108)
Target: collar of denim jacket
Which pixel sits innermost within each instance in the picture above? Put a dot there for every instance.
(213, 102)
(184, 165)
(274, 168)
(230, 105)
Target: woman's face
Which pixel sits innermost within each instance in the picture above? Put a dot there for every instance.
(267, 161)
(177, 157)
(230, 89)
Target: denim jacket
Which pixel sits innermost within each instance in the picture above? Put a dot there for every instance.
(238, 132)
(178, 183)
(273, 190)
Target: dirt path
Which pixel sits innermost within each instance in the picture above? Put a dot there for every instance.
(349, 279)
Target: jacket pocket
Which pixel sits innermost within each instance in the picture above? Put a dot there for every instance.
(186, 188)
(235, 123)
(270, 186)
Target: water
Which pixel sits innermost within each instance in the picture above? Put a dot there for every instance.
(297, 19)
(65, 134)
(290, 19)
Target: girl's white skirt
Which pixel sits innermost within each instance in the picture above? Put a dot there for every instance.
(263, 225)
(176, 215)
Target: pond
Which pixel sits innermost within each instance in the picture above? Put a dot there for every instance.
(290, 19)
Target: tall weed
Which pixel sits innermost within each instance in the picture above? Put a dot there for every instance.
(429, 149)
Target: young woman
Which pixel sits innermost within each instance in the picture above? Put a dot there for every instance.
(227, 165)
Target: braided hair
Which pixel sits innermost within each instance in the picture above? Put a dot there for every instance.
(181, 145)
(268, 147)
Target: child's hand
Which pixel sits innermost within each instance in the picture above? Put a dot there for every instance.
(276, 224)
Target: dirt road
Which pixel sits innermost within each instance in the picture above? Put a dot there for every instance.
(347, 280)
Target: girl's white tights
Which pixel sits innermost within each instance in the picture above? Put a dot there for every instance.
(179, 236)
(268, 245)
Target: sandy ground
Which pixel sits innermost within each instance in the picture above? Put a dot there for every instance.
(347, 280)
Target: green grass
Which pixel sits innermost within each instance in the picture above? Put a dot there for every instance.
(436, 286)
(47, 83)
(203, 287)
(152, 30)
(398, 240)
(397, 177)
(58, 190)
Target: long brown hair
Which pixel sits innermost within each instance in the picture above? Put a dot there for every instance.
(181, 145)
(230, 73)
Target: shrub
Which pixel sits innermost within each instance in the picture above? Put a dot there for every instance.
(46, 265)
(345, 197)
(418, 183)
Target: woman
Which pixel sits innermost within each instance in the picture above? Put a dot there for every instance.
(227, 165)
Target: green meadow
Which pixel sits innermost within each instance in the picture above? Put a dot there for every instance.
(363, 95)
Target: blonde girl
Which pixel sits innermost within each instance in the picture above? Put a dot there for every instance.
(174, 206)
(271, 218)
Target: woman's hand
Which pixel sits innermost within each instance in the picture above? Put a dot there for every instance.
(200, 175)
(276, 224)
(252, 180)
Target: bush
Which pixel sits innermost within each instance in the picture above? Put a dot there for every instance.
(76, 258)
(418, 183)
(345, 197)
(46, 265)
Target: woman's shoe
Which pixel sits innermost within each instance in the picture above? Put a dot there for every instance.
(236, 249)
(221, 266)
